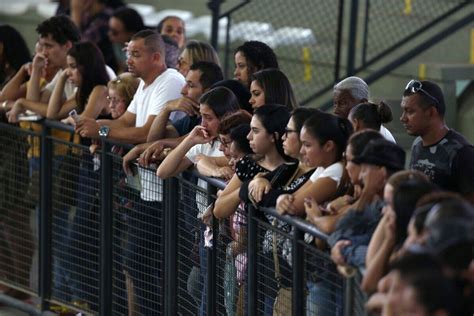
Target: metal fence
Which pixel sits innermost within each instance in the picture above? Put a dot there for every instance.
(112, 244)
(320, 42)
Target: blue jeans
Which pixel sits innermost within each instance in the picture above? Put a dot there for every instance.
(143, 255)
(324, 299)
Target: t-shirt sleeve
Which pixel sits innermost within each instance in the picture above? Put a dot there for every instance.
(169, 90)
(334, 172)
(132, 108)
(194, 152)
(464, 169)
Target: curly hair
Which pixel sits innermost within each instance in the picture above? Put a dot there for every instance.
(61, 28)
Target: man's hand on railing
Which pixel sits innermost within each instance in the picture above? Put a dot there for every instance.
(152, 154)
(130, 158)
(87, 127)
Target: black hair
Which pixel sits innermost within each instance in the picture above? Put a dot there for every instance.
(360, 139)
(410, 264)
(210, 73)
(234, 119)
(15, 50)
(276, 86)
(131, 19)
(405, 197)
(419, 217)
(435, 292)
(241, 92)
(238, 135)
(426, 101)
(153, 41)
(372, 115)
(274, 118)
(160, 25)
(258, 56)
(300, 115)
(221, 100)
(325, 127)
(61, 28)
(91, 65)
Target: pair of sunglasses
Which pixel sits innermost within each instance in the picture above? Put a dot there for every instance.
(415, 86)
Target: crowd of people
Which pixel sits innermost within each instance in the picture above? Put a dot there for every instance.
(408, 227)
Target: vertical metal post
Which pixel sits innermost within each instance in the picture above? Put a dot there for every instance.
(337, 64)
(215, 7)
(45, 216)
(252, 281)
(366, 32)
(348, 296)
(297, 295)
(106, 231)
(227, 46)
(351, 52)
(170, 272)
(211, 297)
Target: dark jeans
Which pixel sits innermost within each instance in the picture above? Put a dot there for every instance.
(143, 255)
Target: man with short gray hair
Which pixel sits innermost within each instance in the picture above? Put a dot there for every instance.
(350, 92)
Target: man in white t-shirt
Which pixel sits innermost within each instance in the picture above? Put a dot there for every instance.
(350, 92)
(143, 253)
(158, 85)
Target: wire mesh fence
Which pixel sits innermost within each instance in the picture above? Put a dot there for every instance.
(212, 274)
(18, 197)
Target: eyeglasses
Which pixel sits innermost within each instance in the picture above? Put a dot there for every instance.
(289, 130)
(414, 86)
(113, 100)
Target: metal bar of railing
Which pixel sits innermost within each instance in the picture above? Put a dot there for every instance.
(252, 240)
(171, 198)
(298, 297)
(106, 231)
(45, 209)
(212, 259)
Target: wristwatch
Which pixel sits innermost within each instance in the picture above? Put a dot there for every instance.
(104, 131)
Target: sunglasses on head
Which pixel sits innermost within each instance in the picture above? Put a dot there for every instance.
(415, 86)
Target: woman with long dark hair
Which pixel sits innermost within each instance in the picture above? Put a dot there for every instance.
(86, 69)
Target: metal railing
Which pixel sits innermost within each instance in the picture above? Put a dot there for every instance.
(111, 245)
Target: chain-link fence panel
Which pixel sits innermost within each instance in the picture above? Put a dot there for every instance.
(389, 24)
(75, 225)
(303, 34)
(138, 238)
(18, 198)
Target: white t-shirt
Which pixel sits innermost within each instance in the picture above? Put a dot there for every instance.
(211, 150)
(150, 100)
(333, 172)
(386, 134)
(69, 87)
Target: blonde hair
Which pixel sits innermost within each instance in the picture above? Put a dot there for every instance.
(201, 51)
(126, 85)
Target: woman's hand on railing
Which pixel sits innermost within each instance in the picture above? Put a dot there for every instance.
(336, 254)
(15, 112)
(313, 210)
(152, 154)
(258, 187)
(284, 204)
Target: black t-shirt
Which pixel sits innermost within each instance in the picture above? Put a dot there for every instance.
(448, 163)
(186, 124)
